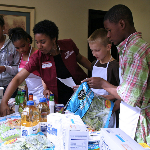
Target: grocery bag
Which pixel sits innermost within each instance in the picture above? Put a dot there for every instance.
(94, 110)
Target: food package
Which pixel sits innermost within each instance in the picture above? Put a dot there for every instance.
(94, 110)
(67, 132)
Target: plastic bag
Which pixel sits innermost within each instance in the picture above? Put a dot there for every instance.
(94, 110)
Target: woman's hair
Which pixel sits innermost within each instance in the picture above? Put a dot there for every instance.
(18, 33)
(2, 21)
(46, 27)
(99, 35)
(119, 12)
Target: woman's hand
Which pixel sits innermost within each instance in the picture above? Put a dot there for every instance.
(47, 93)
(75, 87)
(4, 109)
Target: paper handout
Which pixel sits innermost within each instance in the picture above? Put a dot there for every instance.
(68, 81)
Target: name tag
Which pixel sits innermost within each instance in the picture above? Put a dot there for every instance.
(47, 64)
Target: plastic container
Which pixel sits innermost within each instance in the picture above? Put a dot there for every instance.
(44, 111)
(51, 103)
(30, 119)
(22, 104)
(30, 97)
(17, 101)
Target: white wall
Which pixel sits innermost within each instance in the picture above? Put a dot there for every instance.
(71, 16)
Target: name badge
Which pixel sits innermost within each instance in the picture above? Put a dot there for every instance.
(47, 64)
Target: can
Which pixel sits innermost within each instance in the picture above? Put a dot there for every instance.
(59, 108)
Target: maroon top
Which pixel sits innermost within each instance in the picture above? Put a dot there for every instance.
(45, 65)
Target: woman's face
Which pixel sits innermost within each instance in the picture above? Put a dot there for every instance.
(22, 46)
(44, 43)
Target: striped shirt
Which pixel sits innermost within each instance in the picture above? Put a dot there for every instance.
(134, 60)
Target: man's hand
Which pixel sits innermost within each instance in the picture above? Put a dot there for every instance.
(94, 82)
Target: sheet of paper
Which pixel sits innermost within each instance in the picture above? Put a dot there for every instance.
(68, 81)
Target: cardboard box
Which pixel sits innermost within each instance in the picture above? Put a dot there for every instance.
(116, 139)
(67, 132)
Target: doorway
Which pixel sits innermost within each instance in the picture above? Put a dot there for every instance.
(95, 21)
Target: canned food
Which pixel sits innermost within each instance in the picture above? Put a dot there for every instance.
(59, 108)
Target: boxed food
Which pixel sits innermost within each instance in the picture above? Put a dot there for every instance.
(69, 130)
(116, 139)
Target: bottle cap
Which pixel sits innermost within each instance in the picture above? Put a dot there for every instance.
(30, 103)
(24, 91)
(42, 99)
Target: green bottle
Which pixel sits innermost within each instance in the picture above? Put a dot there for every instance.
(17, 101)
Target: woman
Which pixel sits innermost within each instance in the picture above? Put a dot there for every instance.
(22, 42)
(9, 58)
(55, 59)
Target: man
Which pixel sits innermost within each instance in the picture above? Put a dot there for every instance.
(134, 56)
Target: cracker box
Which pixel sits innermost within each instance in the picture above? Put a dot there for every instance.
(116, 139)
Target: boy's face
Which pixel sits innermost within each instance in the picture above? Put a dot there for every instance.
(114, 32)
(98, 50)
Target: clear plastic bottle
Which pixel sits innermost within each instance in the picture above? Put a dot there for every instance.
(30, 119)
(51, 103)
(44, 111)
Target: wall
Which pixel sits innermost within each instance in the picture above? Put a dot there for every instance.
(71, 16)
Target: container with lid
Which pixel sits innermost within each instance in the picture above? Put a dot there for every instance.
(30, 119)
(44, 111)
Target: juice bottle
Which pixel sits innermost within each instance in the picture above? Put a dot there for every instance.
(44, 111)
(30, 119)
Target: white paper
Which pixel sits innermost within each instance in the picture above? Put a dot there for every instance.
(68, 81)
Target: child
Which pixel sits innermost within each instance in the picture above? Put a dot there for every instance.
(105, 66)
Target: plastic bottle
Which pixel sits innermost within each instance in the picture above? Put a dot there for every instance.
(30, 119)
(44, 111)
(17, 101)
(21, 105)
(25, 97)
(51, 103)
(30, 97)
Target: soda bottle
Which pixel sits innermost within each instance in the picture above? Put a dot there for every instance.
(51, 103)
(17, 101)
(21, 105)
(25, 97)
(44, 111)
(30, 119)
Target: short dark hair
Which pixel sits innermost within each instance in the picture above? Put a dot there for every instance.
(2, 21)
(119, 12)
(17, 34)
(47, 27)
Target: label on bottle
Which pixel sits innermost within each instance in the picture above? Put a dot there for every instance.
(51, 106)
(43, 127)
(16, 108)
(25, 131)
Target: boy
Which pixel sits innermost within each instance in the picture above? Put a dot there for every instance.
(135, 67)
(105, 66)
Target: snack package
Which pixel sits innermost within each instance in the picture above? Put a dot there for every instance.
(94, 110)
